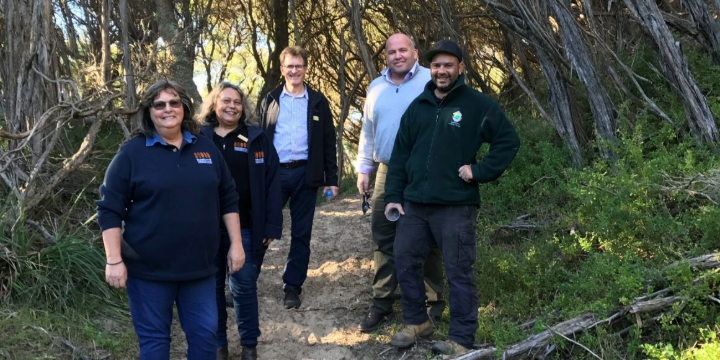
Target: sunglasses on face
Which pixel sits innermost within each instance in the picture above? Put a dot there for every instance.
(160, 105)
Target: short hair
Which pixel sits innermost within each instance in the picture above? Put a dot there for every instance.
(145, 125)
(206, 114)
(294, 51)
(412, 42)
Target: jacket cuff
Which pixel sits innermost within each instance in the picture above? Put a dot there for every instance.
(109, 222)
(478, 174)
(273, 231)
(393, 199)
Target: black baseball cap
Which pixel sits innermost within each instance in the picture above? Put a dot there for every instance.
(445, 47)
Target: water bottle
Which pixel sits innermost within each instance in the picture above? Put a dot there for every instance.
(328, 194)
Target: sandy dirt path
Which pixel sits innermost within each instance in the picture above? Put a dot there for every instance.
(335, 296)
(335, 293)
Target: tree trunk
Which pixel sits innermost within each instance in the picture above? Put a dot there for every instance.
(104, 34)
(559, 100)
(700, 118)
(600, 103)
(533, 27)
(181, 69)
(509, 45)
(130, 90)
(708, 29)
(296, 26)
(69, 25)
(27, 53)
(280, 38)
(342, 87)
(28, 62)
(354, 9)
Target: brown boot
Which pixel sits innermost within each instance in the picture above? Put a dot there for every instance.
(409, 333)
(448, 348)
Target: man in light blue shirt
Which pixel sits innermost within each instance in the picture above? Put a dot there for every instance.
(298, 121)
(387, 98)
(291, 131)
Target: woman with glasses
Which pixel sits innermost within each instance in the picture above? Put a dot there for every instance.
(253, 164)
(163, 195)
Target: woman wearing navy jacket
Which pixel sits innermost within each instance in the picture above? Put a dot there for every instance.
(163, 195)
(253, 163)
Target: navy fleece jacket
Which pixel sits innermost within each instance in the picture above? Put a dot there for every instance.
(262, 171)
(170, 202)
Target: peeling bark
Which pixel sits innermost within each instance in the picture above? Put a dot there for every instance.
(130, 87)
(602, 107)
(707, 27)
(559, 100)
(700, 118)
(182, 65)
(27, 54)
(354, 15)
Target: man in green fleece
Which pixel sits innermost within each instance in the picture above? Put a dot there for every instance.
(387, 98)
(433, 182)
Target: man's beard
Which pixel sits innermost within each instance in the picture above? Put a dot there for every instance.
(445, 89)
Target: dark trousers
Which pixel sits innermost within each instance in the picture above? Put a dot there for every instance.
(302, 211)
(151, 307)
(452, 228)
(243, 287)
(385, 280)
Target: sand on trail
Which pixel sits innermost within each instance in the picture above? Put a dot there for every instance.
(336, 296)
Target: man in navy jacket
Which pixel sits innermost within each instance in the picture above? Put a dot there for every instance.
(298, 121)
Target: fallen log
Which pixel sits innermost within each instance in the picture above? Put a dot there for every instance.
(704, 262)
(540, 345)
(532, 345)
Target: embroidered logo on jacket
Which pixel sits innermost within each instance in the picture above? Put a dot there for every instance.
(203, 158)
(240, 146)
(259, 157)
(456, 118)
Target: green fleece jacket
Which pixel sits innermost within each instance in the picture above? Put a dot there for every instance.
(437, 137)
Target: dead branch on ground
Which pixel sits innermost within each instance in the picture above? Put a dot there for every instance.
(540, 345)
(701, 185)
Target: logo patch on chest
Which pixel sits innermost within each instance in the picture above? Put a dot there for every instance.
(240, 146)
(203, 158)
(259, 157)
(456, 118)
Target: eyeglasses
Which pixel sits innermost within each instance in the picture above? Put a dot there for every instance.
(365, 204)
(294, 67)
(160, 105)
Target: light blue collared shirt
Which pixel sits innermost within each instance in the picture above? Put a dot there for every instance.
(291, 136)
(187, 137)
(408, 76)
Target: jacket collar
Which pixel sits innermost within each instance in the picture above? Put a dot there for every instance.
(156, 139)
(312, 94)
(253, 132)
(428, 93)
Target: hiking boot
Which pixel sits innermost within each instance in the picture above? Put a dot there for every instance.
(248, 353)
(373, 320)
(448, 348)
(409, 333)
(222, 353)
(292, 299)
